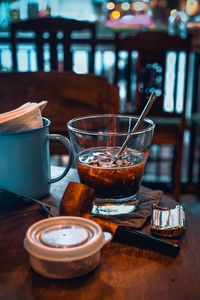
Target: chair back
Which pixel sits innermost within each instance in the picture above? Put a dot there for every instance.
(157, 62)
(69, 95)
(55, 32)
(160, 64)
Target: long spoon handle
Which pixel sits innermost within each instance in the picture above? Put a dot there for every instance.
(145, 111)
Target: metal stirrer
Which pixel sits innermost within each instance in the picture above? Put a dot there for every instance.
(145, 111)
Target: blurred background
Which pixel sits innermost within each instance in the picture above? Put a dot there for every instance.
(114, 20)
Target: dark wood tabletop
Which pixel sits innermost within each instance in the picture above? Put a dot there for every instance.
(124, 272)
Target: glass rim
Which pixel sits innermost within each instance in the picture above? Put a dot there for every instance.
(133, 117)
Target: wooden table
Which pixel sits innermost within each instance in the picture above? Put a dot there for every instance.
(124, 272)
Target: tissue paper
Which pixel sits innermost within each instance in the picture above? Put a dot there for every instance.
(26, 117)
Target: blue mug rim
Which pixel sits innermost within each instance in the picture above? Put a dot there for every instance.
(48, 122)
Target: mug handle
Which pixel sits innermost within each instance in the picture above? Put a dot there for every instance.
(66, 142)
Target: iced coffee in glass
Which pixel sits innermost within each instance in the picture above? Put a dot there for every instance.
(116, 179)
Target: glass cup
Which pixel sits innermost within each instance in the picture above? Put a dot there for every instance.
(95, 141)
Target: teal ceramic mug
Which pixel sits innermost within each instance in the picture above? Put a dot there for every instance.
(25, 160)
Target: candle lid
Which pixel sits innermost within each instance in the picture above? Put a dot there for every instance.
(64, 238)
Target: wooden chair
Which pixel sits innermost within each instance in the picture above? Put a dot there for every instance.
(194, 151)
(193, 125)
(54, 31)
(69, 95)
(150, 68)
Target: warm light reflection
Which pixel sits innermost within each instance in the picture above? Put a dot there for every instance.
(110, 5)
(173, 11)
(192, 7)
(115, 15)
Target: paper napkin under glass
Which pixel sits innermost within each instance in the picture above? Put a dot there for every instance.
(140, 216)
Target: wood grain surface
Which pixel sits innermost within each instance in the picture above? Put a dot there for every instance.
(124, 272)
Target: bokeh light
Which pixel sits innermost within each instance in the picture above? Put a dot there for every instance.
(115, 15)
(125, 6)
(110, 5)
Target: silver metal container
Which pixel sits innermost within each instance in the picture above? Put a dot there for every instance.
(168, 222)
(65, 247)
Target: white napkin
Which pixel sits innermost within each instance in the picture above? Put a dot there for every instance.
(26, 117)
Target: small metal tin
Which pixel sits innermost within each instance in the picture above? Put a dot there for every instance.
(65, 247)
(168, 222)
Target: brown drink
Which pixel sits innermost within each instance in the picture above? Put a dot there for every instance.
(111, 179)
(116, 181)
